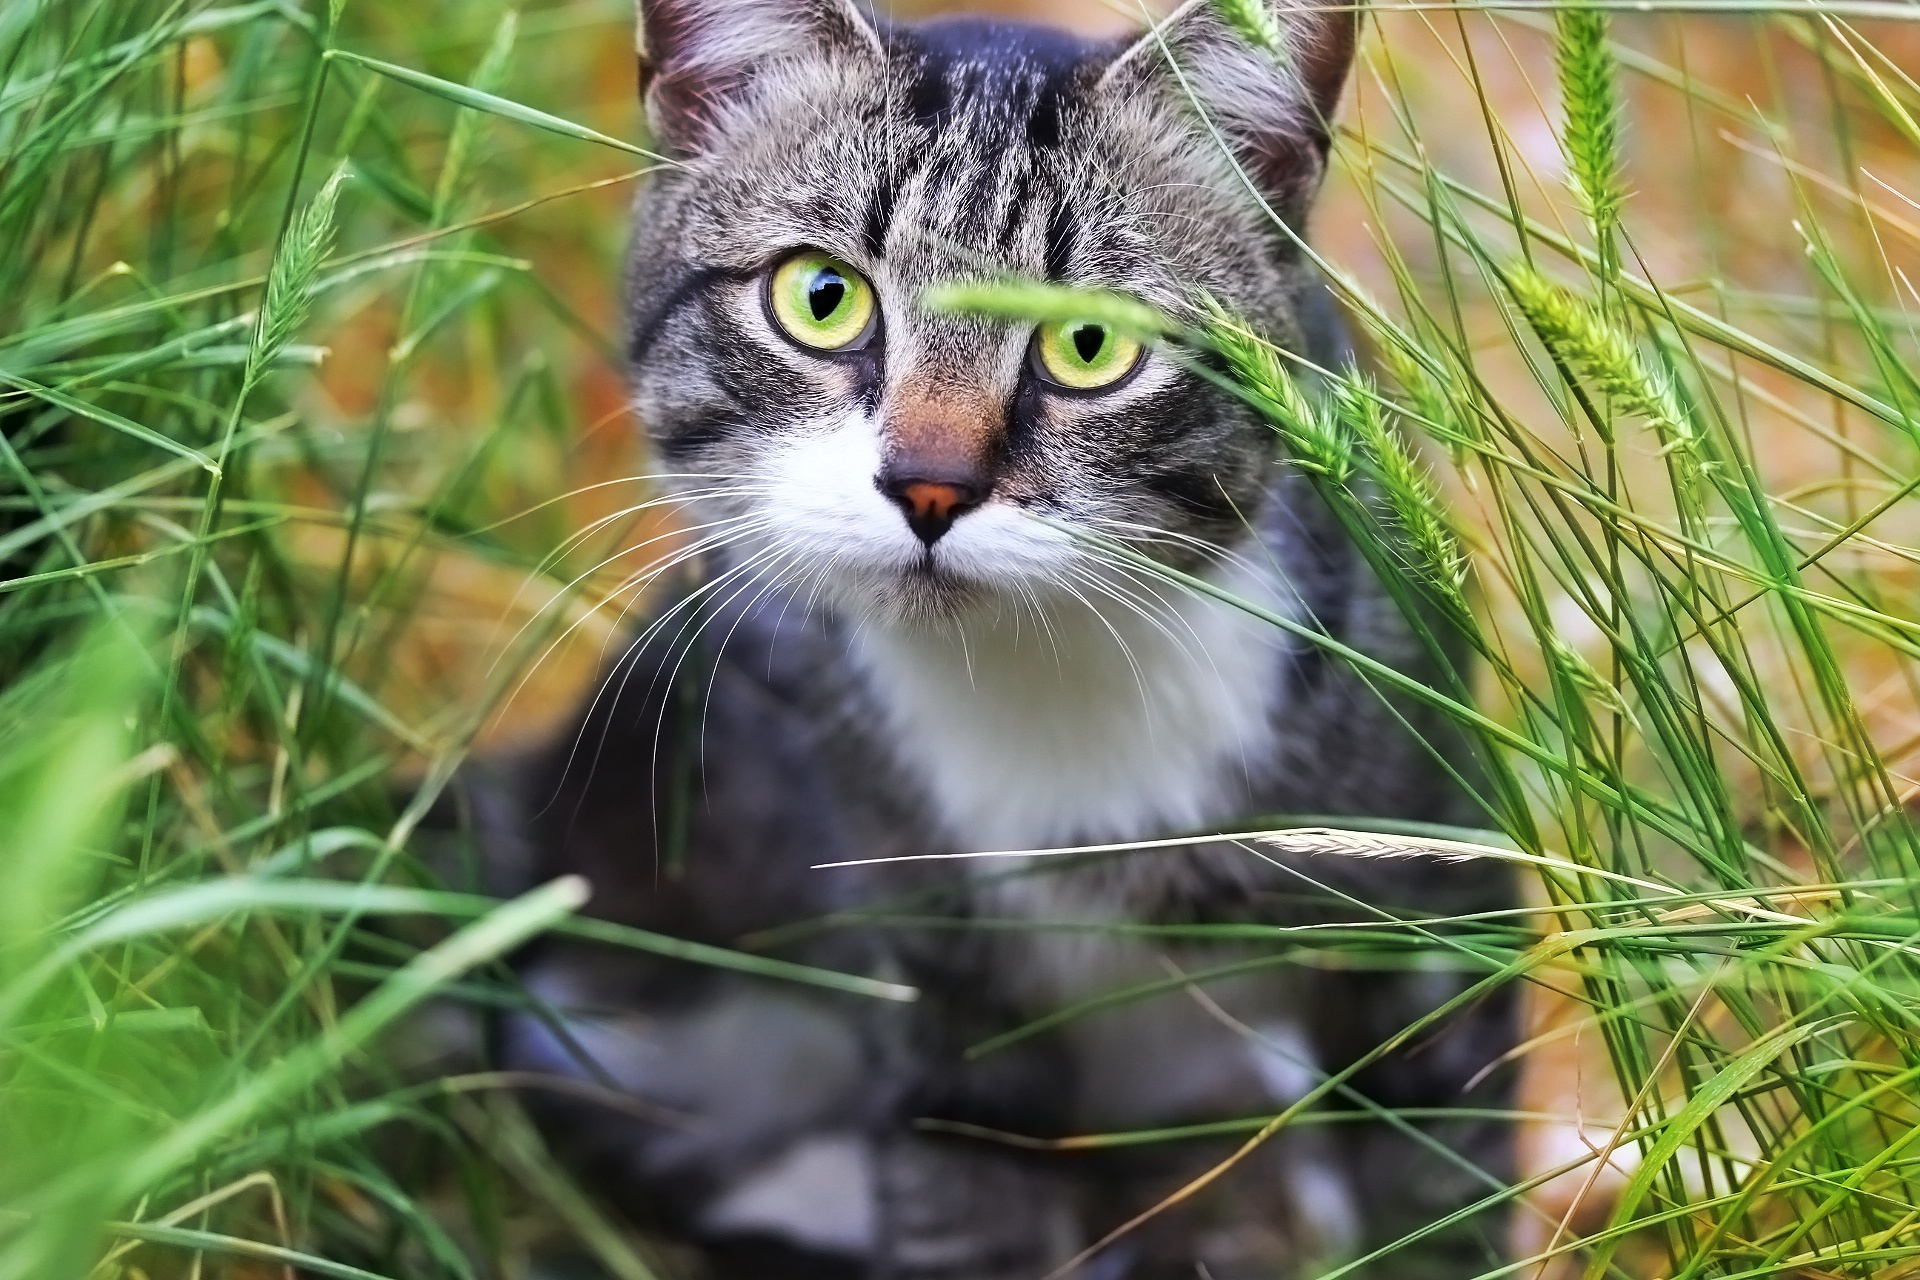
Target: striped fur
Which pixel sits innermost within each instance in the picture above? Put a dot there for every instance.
(830, 686)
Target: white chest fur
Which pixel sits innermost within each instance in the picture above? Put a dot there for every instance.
(1089, 726)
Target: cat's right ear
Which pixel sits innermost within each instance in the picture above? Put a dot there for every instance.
(1272, 106)
(700, 57)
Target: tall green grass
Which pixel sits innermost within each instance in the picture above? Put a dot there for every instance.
(214, 536)
(306, 314)
(1678, 635)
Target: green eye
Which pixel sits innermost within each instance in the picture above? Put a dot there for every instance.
(1082, 355)
(820, 301)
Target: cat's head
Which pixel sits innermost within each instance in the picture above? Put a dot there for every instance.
(829, 168)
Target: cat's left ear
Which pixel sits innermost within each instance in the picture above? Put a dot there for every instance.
(698, 58)
(1276, 110)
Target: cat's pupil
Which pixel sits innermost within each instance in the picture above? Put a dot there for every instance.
(826, 295)
(1087, 340)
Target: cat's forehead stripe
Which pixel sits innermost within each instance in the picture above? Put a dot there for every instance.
(979, 88)
(998, 78)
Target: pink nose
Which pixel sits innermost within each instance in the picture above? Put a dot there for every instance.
(925, 500)
(931, 506)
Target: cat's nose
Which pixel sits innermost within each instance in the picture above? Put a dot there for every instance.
(931, 506)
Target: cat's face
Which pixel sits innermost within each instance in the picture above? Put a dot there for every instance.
(835, 435)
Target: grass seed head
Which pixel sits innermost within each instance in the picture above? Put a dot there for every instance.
(1431, 548)
(1256, 23)
(1437, 411)
(1581, 674)
(1601, 353)
(290, 282)
(1316, 440)
(1590, 93)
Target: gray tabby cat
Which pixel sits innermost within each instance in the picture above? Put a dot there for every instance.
(887, 641)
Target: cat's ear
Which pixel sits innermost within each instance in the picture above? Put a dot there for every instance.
(1274, 108)
(698, 57)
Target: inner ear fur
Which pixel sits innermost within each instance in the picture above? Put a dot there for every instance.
(1276, 112)
(699, 57)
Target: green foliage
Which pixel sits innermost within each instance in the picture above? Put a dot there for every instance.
(1031, 300)
(220, 732)
(63, 771)
(1672, 630)
(305, 313)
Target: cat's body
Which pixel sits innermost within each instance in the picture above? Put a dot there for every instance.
(856, 670)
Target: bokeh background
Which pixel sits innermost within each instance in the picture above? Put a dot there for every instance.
(467, 342)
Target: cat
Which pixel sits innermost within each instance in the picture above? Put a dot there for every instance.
(886, 636)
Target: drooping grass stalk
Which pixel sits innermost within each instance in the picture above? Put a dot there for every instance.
(1664, 573)
(1315, 438)
(1404, 484)
(1600, 352)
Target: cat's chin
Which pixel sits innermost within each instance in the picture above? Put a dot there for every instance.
(921, 596)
